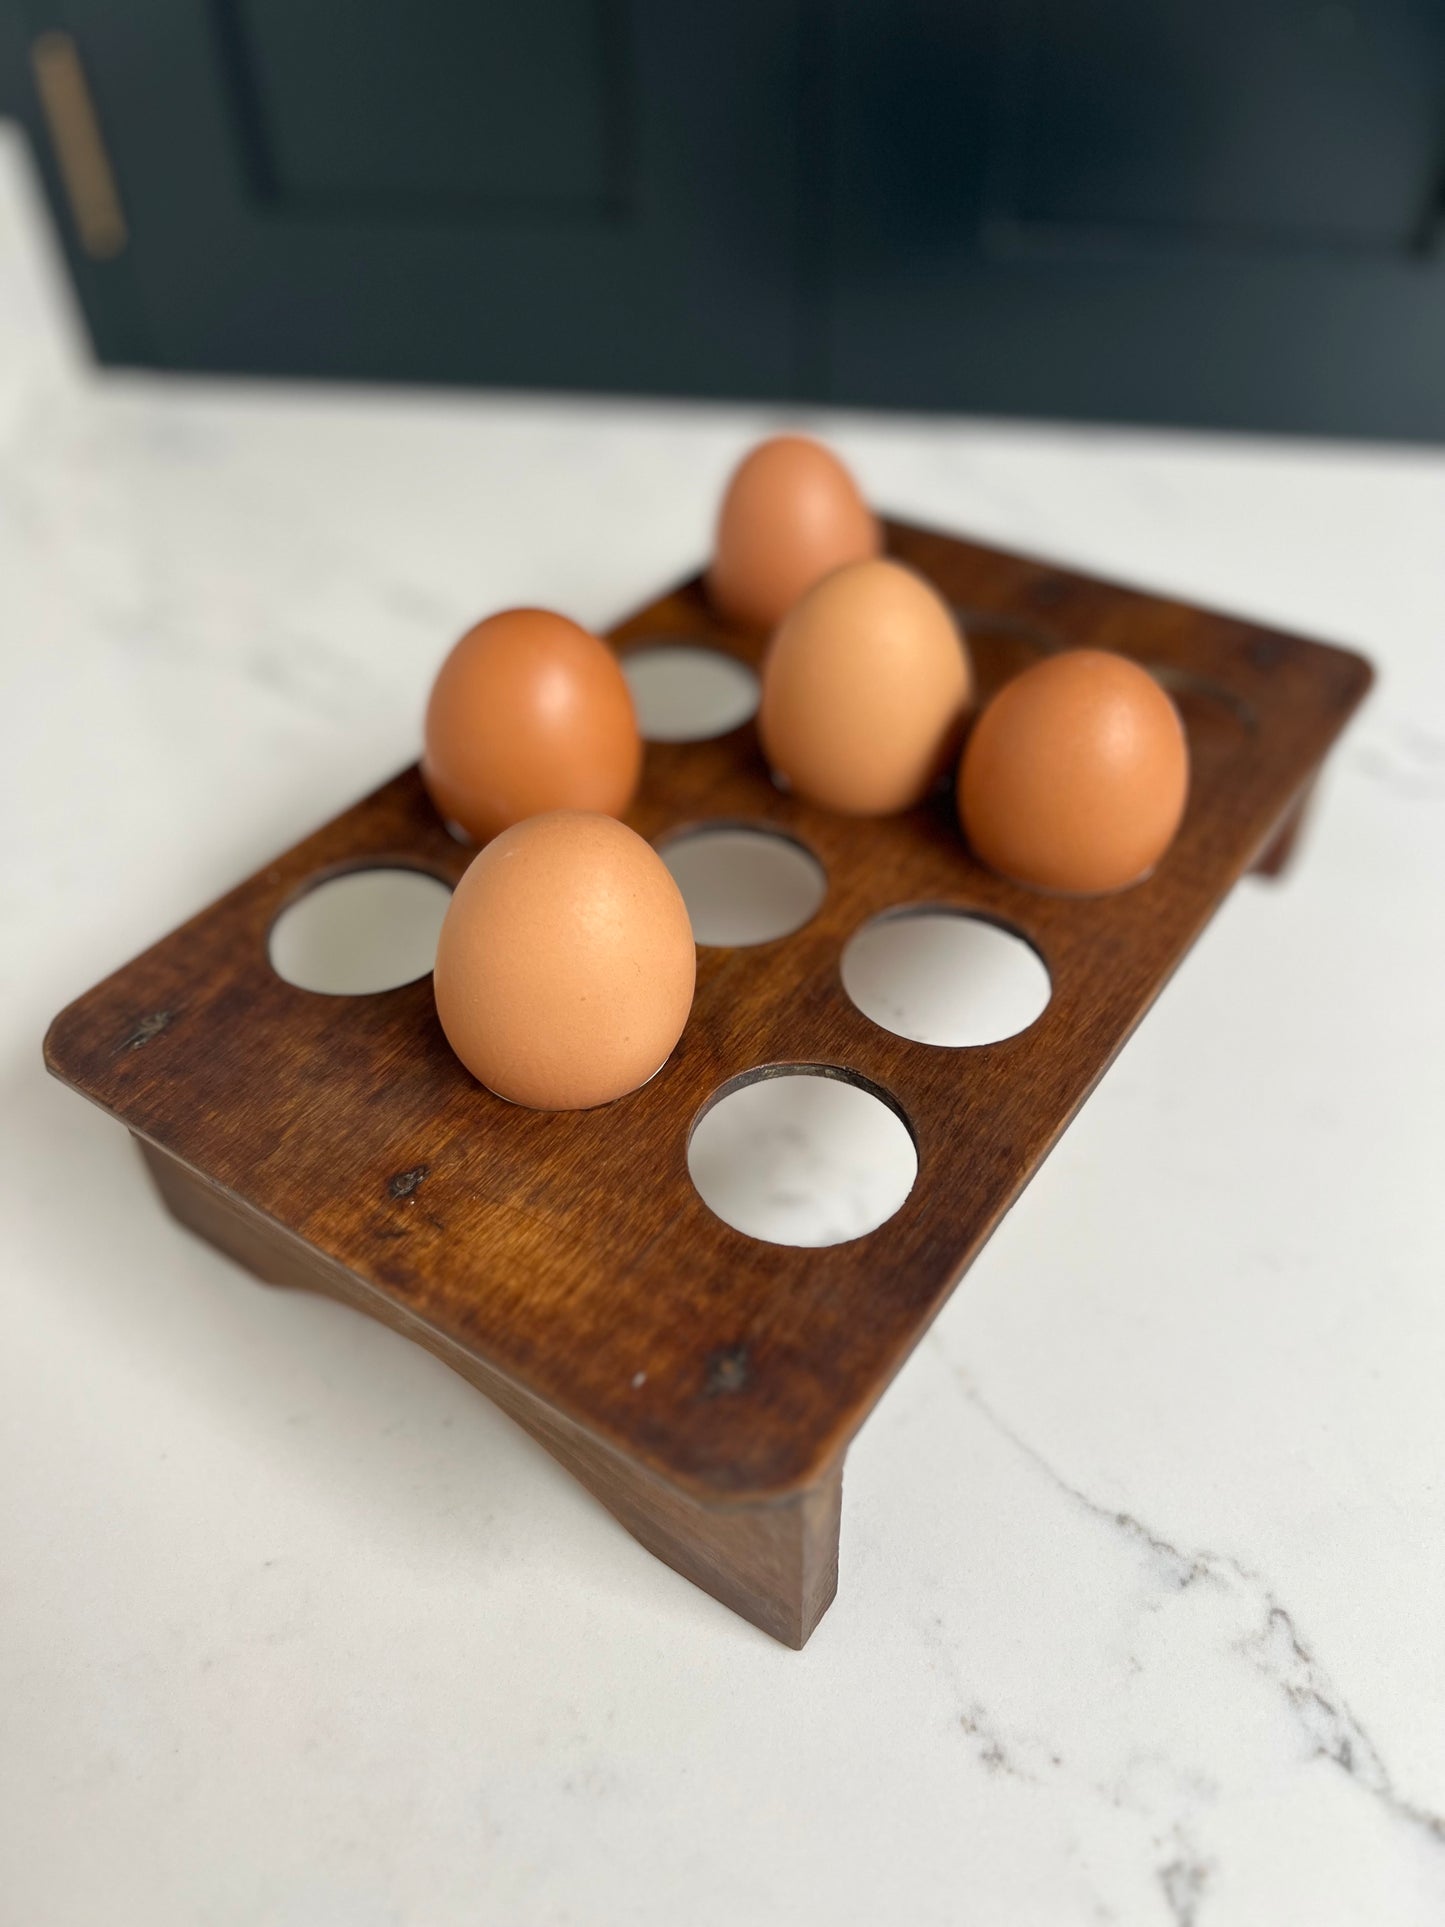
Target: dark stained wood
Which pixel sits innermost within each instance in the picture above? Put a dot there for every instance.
(1282, 849)
(776, 1563)
(703, 1384)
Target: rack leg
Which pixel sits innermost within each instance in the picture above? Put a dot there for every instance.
(775, 1564)
(1280, 851)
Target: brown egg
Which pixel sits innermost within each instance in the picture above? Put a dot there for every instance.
(565, 966)
(529, 712)
(1076, 775)
(865, 686)
(791, 513)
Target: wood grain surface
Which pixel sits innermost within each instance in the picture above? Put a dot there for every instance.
(568, 1256)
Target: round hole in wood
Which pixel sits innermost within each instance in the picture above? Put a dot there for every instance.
(1207, 706)
(942, 976)
(802, 1154)
(1003, 644)
(686, 693)
(361, 932)
(744, 885)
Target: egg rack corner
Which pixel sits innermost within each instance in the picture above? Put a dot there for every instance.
(704, 1385)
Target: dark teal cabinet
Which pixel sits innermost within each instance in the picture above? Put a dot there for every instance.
(583, 192)
(1222, 213)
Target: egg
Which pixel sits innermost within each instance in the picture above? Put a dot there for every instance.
(529, 712)
(1076, 775)
(865, 685)
(791, 513)
(565, 966)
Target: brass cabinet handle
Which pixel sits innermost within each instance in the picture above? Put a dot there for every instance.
(80, 151)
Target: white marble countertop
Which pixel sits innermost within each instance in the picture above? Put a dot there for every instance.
(1142, 1613)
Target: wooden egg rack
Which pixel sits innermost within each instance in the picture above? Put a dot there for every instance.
(702, 1384)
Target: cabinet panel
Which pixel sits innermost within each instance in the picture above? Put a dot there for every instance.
(407, 108)
(1275, 120)
(589, 193)
(1119, 209)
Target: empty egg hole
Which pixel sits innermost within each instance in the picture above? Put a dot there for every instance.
(1003, 645)
(361, 932)
(1207, 707)
(802, 1154)
(686, 693)
(943, 976)
(742, 884)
